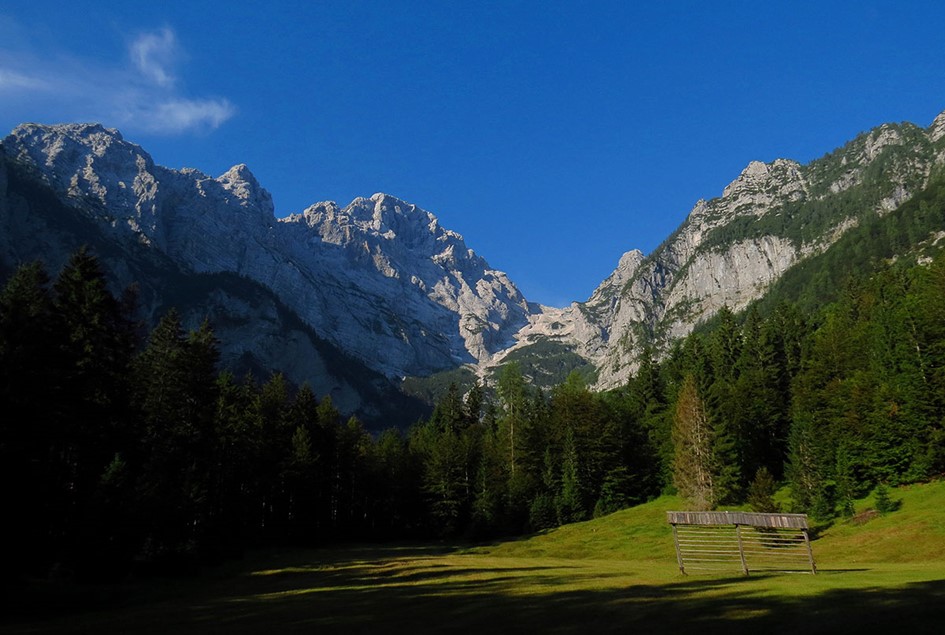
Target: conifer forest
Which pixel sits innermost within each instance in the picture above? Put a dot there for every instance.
(129, 450)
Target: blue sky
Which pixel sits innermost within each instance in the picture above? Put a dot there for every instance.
(553, 135)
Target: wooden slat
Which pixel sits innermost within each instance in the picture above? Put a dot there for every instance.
(747, 540)
(754, 519)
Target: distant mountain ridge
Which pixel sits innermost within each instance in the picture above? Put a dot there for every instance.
(731, 249)
(380, 282)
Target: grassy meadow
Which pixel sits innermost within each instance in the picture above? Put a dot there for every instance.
(613, 574)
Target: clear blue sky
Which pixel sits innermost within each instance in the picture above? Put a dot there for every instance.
(553, 135)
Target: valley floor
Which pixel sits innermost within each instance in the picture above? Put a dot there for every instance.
(375, 590)
(614, 574)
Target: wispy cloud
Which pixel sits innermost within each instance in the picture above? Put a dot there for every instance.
(187, 114)
(153, 54)
(11, 80)
(142, 92)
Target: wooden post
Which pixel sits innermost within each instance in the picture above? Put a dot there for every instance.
(810, 553)
(741, 548)
(682, 569)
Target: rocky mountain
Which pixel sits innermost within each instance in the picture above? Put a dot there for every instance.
(258, 332)
(354, 298)
(379, 280)
(731, 249)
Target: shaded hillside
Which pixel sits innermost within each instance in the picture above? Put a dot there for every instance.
(258, 333)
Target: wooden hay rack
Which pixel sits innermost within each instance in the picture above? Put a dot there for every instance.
(722, 541)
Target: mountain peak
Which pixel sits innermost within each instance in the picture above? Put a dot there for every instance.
(760, 184)
(77, 130)
(759, 175)
(240, 171)
(242, 184)
(382, 197)
(63, 143)
(626, 267)
(937, 129)
(81, 160)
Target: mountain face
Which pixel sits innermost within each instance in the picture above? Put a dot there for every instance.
(379, 279)
(257, 331)
(731, 249)
(379, 288)
(400, 289)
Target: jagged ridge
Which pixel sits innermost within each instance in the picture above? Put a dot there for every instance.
(382, 280)
(379, 278)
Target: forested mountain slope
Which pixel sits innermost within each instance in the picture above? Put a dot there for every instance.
(730, 250)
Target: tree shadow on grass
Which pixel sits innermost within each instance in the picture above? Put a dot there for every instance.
(383, 591)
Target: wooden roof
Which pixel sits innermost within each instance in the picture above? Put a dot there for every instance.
(755, 519)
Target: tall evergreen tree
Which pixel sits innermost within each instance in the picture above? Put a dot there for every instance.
(570, 502)
(176, 393)
(692, 464)
(511, 391)
(98, 342)
(33, 424)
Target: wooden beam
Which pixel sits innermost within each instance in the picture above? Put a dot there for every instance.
(741, 548)
(810, 553)
(679, 560)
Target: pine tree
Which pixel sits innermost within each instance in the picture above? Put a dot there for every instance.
(884, 503)
(97, 344)
(570, 501)
(473, 404)
(299, 477)
(176, 392)
(649, 410)
(234, 497)
(692, 464)
(271, 414)
(33, 426)
(761, 492)
(542, 513)
(490, 496)
(805, 469)
(614, 493)
(845, 479)
(511, 390)
(397, 487)
(449, 413)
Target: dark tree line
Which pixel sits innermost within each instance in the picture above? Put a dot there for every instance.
(124, 449)
(121, 450)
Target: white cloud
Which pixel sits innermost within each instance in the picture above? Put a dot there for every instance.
(153, 54)
(141, 94)
(186, 114)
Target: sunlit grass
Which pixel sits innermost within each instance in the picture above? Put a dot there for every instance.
(613, 574)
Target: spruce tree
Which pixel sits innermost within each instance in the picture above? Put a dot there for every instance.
(761, 492)
(33, 427)
(511, 391)
(570, 501)
(97, 346)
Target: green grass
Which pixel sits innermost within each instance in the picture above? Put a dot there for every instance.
(637, 534)
(915, 533)
(613, 574)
